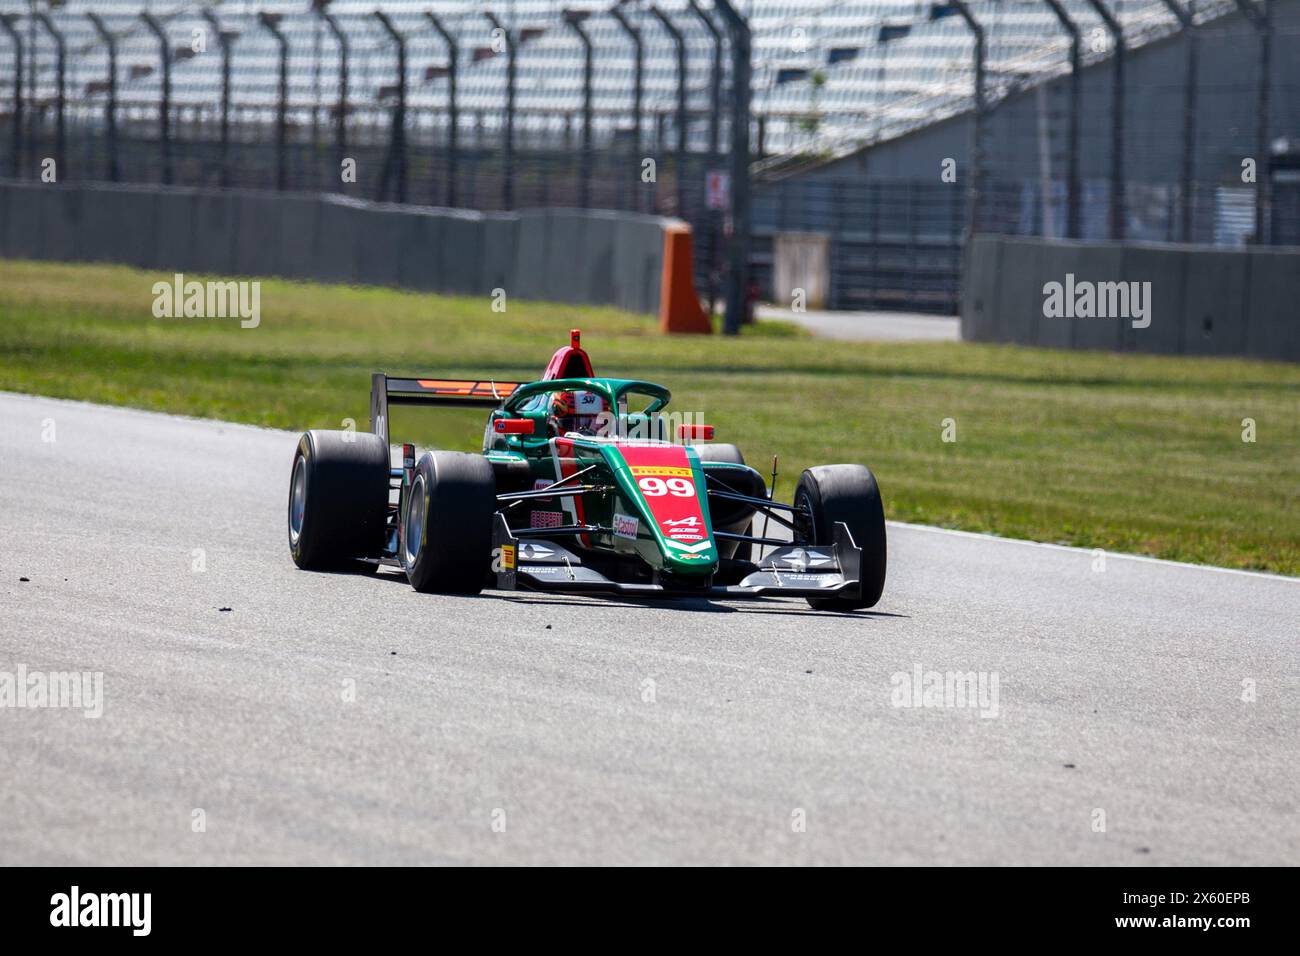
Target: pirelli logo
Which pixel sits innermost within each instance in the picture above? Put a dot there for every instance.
(661, 471)
(507, 557)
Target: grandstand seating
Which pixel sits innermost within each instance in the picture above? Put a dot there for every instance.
(826, 72)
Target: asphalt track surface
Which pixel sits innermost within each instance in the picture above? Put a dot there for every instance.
(1119, 690)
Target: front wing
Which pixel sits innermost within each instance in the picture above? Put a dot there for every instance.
(796, 571)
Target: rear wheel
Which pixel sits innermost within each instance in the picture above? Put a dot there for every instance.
(338, 498)
(447, 536)
(848, 494)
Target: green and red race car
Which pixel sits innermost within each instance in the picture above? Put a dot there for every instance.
(583, 485)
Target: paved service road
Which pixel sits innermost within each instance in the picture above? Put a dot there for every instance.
(875, 326)
(599, 731)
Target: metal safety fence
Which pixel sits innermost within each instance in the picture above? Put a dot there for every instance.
(1081, 136)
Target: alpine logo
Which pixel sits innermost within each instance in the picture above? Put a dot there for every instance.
(683, 529)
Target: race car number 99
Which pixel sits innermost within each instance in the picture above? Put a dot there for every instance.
(656, 487)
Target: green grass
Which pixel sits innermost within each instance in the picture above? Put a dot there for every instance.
(1125, 452)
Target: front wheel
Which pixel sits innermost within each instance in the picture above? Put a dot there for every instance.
(447, 534)
(848, 494)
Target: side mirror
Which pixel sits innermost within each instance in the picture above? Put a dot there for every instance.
(514, 426)
(696, 432)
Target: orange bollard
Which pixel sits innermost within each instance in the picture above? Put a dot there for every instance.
(679, 306)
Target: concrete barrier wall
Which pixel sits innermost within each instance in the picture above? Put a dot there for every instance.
(1203, 301)
(583, 257)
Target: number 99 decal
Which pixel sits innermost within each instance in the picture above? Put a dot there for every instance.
(653, 487)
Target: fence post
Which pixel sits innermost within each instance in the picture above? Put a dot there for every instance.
(7, 24)
(397, 131)
(975, 183)
(1116, 215)
(1072, 142)
(110, 108)
(715, 118)
(638, 86)
(1187, 25)
(715, 78)
(272, 23)
(1260, 18)
(453, 109)
(61, 53)
(224, 42)
(738, 276)
(508, 193)
(679, 42)
(165, 105)
(341, 107)
(575, 20)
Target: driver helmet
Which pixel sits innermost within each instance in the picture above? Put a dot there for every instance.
(576, 412)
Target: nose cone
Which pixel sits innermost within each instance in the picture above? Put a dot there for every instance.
(667, 485)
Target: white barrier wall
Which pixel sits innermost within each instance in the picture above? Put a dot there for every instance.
(583, 257)
(1202, 300)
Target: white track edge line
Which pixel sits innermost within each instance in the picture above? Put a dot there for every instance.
(899, 524)
(983, 536)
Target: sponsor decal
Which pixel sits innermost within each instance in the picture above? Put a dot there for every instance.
(534, 552)
(588, 403)
(547, 519)
(666, 480)
(692, 557)
(408, 464)
(683, 529)
(626, 526)
(661, 471)
(507, 557)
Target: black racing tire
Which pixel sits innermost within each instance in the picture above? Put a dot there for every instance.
(847, 493)
(729, 453)
(447, 543)
(338, 499)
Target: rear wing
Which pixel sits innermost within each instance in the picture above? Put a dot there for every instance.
(385, 391)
